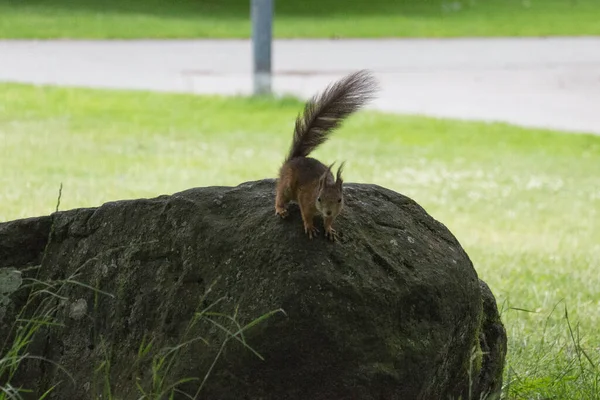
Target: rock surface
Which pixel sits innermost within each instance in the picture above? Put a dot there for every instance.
(393, 310)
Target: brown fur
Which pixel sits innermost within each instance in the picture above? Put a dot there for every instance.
(306, 180)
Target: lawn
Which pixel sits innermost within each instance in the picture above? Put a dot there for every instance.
(525, 204)
(297, 18)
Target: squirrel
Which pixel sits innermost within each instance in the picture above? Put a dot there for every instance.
(306, 180)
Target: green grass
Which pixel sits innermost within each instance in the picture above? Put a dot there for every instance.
(297, 18)
(524, 203)
(40, 310)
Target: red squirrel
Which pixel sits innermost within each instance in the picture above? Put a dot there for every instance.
(306, 180)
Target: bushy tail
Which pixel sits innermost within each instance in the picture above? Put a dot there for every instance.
(326, 111)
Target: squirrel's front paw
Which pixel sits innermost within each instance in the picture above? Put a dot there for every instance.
(331, 234)
(281, 212)
(311, 231)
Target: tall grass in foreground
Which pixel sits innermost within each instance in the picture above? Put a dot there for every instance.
(574, 374)
(561, 363)
(39, 314)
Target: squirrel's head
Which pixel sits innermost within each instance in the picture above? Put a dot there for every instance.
(330, 199)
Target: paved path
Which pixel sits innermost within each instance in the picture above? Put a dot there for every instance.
(552, 83)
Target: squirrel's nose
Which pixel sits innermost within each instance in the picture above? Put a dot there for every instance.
(328, 213)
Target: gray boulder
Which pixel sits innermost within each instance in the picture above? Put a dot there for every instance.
(149, 295)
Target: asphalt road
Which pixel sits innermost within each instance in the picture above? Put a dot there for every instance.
(549, 83)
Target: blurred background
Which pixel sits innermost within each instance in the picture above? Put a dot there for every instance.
(488, 117)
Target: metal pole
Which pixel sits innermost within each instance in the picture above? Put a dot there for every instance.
(262, 26)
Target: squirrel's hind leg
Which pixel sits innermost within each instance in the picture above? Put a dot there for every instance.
(282, 199)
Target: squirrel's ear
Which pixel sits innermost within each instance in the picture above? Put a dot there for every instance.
(338, 179)
(322, 180)
(330, 167)
(323, 177)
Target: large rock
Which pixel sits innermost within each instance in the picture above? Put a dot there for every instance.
(393, 310)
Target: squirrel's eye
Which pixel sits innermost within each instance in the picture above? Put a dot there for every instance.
(319, 199)
(339, 200)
